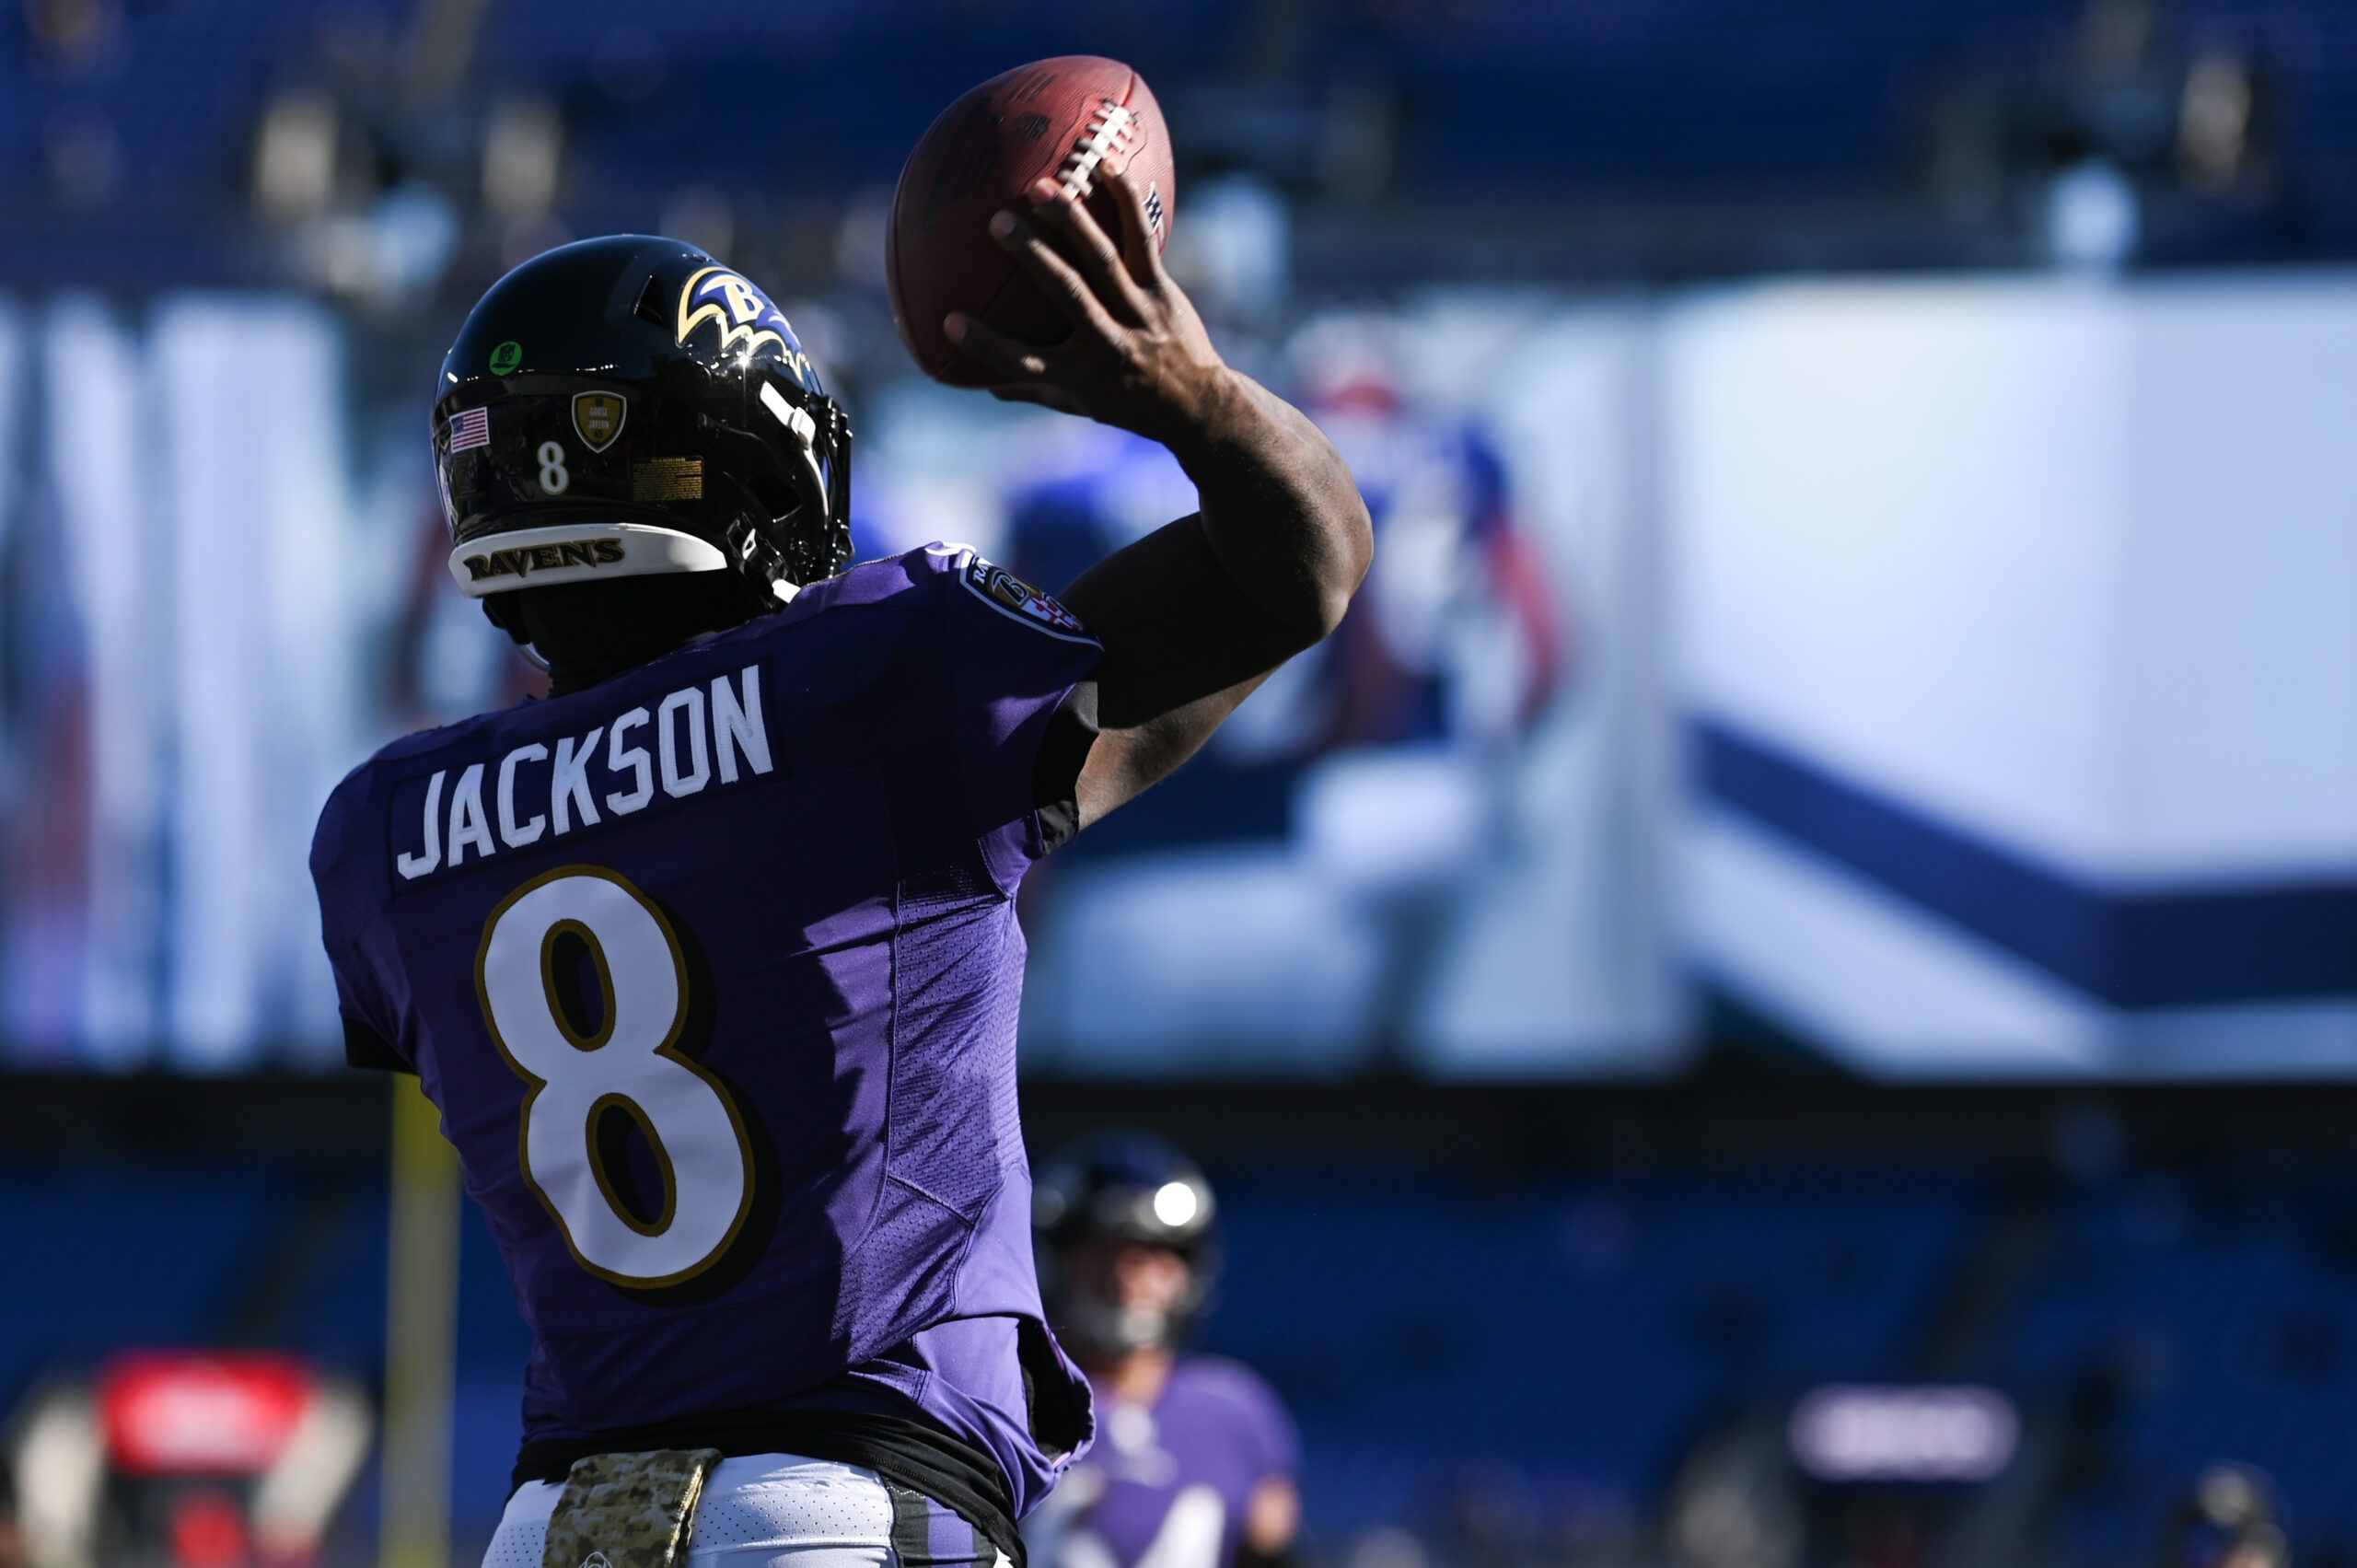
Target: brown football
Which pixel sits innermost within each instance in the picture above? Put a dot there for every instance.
(1059, 118)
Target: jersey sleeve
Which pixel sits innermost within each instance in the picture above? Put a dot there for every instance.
(1023, 688)
(370, 1031)
(366, 1042)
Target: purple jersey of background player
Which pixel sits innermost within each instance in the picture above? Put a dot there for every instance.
(830, 806)
(1169, 1486)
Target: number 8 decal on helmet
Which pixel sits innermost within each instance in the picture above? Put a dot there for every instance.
(626, 1064)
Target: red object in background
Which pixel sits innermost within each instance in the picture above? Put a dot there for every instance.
(208, 1531)
(174, 1413)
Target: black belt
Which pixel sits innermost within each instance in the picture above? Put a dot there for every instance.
(911, 1454)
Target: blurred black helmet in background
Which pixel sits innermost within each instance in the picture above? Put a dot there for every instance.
(1122, 1187)
(628, 406)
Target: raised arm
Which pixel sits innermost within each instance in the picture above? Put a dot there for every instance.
(1196, 614)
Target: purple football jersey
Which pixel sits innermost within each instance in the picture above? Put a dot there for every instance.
(1168, 1485)
(712, 971)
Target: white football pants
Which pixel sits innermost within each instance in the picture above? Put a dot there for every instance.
(763, 1511)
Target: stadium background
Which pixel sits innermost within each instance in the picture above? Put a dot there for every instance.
(1851, 744)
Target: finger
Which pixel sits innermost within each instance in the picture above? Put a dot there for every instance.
(1039, 392)
(1014, 360)
(1140, 252)
(1084, 239)
(1064, 287)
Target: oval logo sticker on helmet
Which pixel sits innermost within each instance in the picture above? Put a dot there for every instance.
(744, 313)
(597, 418)
(507, 358)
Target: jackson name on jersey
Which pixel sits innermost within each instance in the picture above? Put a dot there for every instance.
(701, 736)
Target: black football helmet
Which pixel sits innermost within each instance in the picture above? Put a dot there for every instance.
(1122, 1187)
(628, 405)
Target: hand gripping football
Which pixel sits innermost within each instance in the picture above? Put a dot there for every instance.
(1061, 119)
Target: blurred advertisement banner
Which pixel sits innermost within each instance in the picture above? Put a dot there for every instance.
(181, 630)
(1431, 844)
(1957, 676)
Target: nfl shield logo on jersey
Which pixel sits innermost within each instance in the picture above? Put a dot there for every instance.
(597, 417)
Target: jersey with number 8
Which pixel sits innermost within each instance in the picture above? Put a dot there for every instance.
(712, 971)
(630, 1064)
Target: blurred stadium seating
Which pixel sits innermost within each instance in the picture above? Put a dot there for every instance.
(110, 1256)
(1384, 1308)
(1503, 1351)
(2200, 1318)
(128, 134)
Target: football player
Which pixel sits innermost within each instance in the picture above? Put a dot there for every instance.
(1194, 1459)
(709, 960)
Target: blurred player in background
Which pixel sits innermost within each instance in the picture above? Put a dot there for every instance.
(1358, 811)
(1194, 1461)
(1459, 638)
(2226, 1520)
(710, 961)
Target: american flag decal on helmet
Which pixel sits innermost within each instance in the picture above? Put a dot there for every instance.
(470, 429)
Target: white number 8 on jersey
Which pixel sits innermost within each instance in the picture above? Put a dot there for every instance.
(627, 1064)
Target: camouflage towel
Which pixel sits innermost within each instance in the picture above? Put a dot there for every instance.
(628, 1510)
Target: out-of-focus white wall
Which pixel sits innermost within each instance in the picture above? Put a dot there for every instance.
(2018, 623)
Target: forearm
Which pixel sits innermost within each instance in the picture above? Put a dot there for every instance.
(1195, 615)
(1279, 509)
